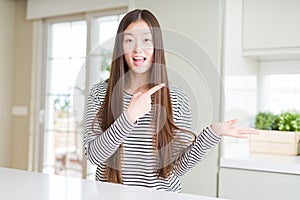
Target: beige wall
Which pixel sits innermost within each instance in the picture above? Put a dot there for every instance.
(7, 24)
(21, 85)
(15, 80)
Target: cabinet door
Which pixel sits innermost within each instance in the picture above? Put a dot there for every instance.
(246, 184)
(202, 180)
(271, 24)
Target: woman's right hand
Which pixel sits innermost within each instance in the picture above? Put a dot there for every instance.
(140, 103)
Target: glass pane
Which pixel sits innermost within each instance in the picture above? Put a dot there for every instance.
(78, 38)
(104, 30)
(65, 98)
(63, 73)
(60, 40)
(107, 27)
(68, 39)
(282, 92)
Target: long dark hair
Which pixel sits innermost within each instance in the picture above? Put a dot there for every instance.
(165, 129)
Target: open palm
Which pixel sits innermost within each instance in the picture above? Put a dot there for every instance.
(229, 128)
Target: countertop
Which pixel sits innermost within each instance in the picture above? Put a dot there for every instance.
(23, 185)
(237, 157)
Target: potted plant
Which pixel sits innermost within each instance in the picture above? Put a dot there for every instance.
(279, 134)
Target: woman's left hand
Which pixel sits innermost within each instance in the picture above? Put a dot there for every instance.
(229, 128)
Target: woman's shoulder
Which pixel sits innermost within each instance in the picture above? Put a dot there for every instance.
(176, 91)
(179, 97)
(99, 89)
(180, 102)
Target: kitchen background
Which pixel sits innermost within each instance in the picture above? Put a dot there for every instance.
(51, 49)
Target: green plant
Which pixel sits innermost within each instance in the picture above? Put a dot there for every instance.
(266, 121)
(62, 104)
(289, 121)
(106, 56)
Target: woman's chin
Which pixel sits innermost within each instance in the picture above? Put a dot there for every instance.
(140, 69)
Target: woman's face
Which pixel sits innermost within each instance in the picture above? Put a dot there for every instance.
(138, 47)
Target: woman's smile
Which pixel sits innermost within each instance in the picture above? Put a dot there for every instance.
(139, 61)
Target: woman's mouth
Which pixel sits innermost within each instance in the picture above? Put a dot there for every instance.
(139, 61)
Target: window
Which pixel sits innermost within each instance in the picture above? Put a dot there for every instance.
(67, 50)
(79, 51)
(281, 92)
(275, 88)
(279, 83)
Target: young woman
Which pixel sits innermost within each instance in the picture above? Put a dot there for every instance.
(138, 127)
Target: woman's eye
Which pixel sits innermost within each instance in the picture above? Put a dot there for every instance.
(147, 40)
(129, 40)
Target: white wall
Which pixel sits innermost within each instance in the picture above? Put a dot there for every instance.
(240, 72)
(7, 24)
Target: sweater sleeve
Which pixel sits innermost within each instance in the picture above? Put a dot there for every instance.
(202, 145)
(99, 145)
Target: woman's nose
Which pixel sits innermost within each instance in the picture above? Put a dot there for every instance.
(138, 46)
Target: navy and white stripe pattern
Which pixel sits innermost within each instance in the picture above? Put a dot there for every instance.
(139, 159)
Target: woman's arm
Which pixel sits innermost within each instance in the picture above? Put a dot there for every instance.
(99, 145)
(204, 142)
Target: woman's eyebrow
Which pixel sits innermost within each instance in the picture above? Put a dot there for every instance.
(147, 33)
(128, 34)
(131, 34)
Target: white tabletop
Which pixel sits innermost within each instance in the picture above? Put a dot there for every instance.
(23, 185)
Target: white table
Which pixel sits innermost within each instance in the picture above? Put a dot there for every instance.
(23, 185)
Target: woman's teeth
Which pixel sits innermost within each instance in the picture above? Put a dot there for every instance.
(138, 61)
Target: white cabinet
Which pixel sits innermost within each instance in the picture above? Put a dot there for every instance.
(248, 185)
(271, 27)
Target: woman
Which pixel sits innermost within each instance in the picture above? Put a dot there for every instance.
(138, 127)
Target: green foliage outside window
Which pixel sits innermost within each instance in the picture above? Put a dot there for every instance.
(106, 56)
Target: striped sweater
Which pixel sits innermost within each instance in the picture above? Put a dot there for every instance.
(139, 159)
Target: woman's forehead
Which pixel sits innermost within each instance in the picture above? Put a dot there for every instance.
(138, 27)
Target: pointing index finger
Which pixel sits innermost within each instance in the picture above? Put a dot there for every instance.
(155, 89)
